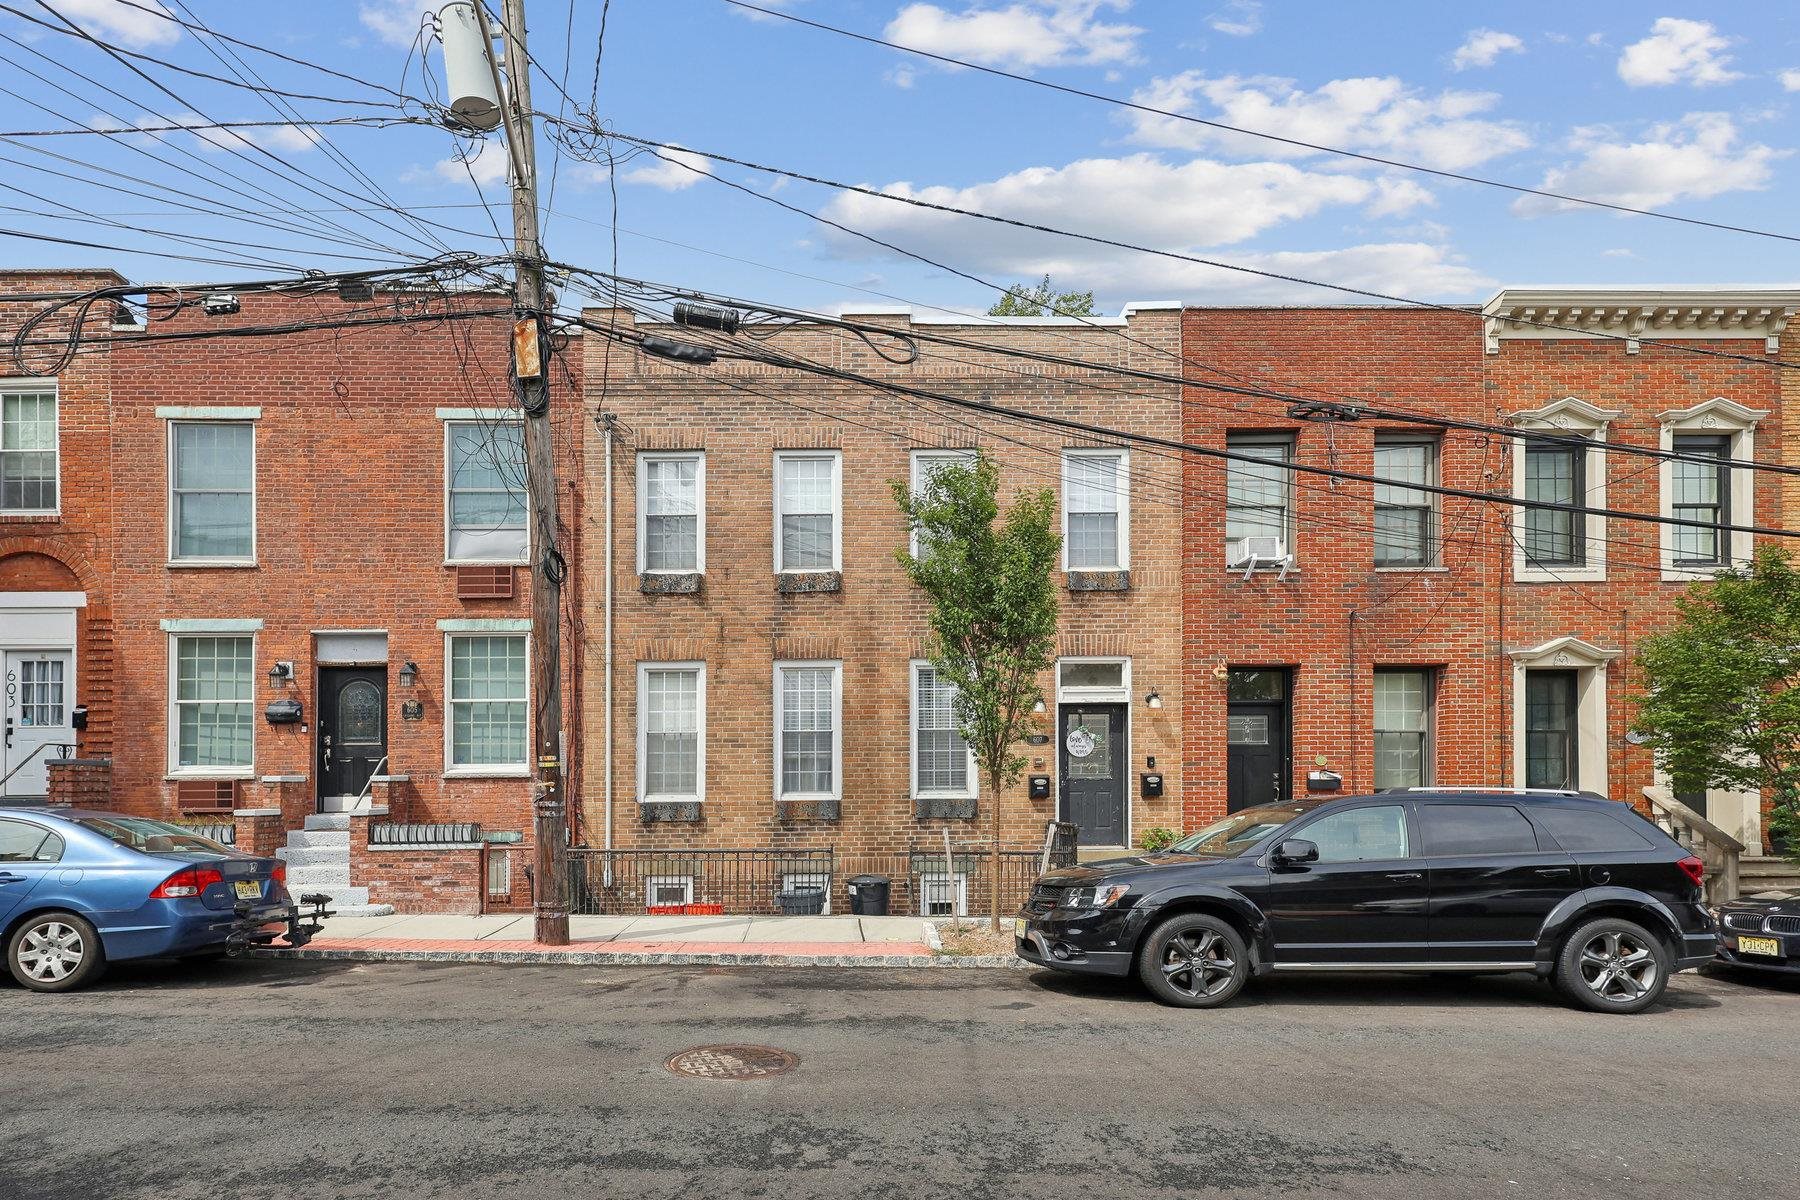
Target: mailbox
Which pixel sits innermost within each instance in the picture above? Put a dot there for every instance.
(1040, 787)
(78, 717)
(1324, 781)
(282, 712)
(1150, 784)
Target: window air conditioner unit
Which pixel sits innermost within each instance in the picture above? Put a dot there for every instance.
(1253, 552)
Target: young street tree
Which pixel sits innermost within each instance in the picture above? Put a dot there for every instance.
(1040, 300)
(993, 611)
(1721, 702)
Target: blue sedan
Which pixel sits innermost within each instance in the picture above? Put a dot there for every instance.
(81, 888)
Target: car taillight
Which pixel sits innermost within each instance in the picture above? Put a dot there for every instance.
(189, 881)
(1694, 869)
(279, 874)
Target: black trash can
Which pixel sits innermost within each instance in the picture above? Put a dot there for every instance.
(868, 895)
(801, 902)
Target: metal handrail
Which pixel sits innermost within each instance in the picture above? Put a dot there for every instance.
(66, 747)
(368, 786)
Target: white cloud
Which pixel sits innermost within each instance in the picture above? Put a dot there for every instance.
(1678, 51)
(395, 22)
(1695, 158)
(1482, 47)
(1239, 18)
(1373, 115)
(670, 176)
(488, 166)
(122, 22)
(902, 76)
(291, 138)
(1619, 252)
(1021, 36)
(1790, 80)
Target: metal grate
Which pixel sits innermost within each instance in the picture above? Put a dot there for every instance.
(732, 1062)
(206, 795)
(1784, 924)
(620, 882)
(484, 583)
(407, 833)
(1752, 922)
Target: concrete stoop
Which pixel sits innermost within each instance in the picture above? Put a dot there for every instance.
(1767, 875)
(318, 859)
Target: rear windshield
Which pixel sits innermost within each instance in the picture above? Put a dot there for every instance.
(1237, 833)
(152, 837)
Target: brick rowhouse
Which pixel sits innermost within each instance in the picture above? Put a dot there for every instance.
(350, 578)
(1480, 620)
(853, 614)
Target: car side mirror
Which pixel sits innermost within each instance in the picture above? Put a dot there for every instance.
(1295, 851)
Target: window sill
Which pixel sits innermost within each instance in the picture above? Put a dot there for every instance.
(244, 774)
(1558, 575)
(665, 812)
(1404, 570)
(484, 562)
(943, 808)
(1099, 579)
(496, 772)
(793, 583)
(669, 583)
(22, 516)
(822, 808)
(202, 564)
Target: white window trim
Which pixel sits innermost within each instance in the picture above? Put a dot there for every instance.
(1123, 492)
(453, 770)
(1717, 417)
(172, 714)
(652, 882)
(973, 790)
(1589, 662)
(837, 508)
(645, 670)
(927, 879)
(699, 458)
(1428, 746)
(919, 458)
(1095, 695)
(1434, 523)
(475, 417)
(30, 384)
(837, 728)
(169, 490)
(1568, 417)
(1290, 524)
(1092, 695)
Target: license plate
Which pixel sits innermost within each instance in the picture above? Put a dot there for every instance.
(1754, 945)
(248, 889)
(1020, 925)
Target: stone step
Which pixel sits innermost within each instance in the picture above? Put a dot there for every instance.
(357, 910)
(328, 821)
(309, 838)
(339, 892)
(311, 875)
(312, 856)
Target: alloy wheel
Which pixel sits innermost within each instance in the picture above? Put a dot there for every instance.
(1198, 963)
(51, 952)
(1617, 966)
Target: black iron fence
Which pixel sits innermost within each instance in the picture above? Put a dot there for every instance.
(921, 880)
(420, 833)
(223, 832)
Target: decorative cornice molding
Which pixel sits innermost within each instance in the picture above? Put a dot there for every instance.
(1570, 412)
(1666, 314)
(1717, 413)
(1564, 652)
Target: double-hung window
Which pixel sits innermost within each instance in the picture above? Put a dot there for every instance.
(942, 764)
(1554, 474)
(28, 448)
(1258, 492)
(1405, 517)
(1096, 510)
(671, 732)
(1402, 728)
(926, 464)
(484, 501)
(808, 746)
(489, 709)
(808, 504)
(672, 513)
(212, 492)
(1701, 491)
(213, 697)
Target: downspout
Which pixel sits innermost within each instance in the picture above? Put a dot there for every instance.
(606, 446)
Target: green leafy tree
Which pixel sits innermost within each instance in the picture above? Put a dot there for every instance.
(1721, 702)
(1040, 299)
(990, 581)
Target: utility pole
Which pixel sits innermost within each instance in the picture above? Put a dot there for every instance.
(531, 386)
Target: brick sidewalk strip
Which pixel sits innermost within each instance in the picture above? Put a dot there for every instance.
(755, 954)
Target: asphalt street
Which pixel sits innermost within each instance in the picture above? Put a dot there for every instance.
(250, 1080)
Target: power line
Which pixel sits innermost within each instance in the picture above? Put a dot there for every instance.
(1223, 127)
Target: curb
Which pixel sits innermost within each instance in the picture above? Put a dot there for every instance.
(597, 958)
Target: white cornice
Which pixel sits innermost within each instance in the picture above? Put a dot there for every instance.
(1666, 314)
(1570, 412)
(1717, 413)
(1564, 652)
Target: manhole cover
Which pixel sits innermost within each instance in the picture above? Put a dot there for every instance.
(732, 1062)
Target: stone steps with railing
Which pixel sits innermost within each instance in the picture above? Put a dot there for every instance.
(1721, 852)
(1768, 875)
(318, 858)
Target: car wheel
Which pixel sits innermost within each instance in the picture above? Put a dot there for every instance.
(1194, 960)
(54, 952)
(1614, 966)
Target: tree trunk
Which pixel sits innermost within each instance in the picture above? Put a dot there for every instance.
(994, 869)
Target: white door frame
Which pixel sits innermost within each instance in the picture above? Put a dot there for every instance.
(33, 622)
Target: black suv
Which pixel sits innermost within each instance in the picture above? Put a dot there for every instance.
(1572, 886)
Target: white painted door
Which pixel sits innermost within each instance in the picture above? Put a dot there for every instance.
(39, 697)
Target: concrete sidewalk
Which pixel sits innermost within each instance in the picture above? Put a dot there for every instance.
(640, 940)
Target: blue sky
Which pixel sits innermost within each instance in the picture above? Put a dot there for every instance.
(1689, 109)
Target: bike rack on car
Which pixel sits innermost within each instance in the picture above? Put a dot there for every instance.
(252, 925)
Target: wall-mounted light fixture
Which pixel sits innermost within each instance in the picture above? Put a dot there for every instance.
(280, 675)
(1038, 707)
(1221, 672)
(409, 674)
(1154, 699)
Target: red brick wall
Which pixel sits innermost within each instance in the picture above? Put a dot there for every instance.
(81, 782)
(259, 832)
(417, 879)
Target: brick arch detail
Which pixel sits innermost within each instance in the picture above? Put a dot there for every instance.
(70, 559)
(96, 672)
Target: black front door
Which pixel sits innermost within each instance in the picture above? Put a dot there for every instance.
(1256, 739)
(1092, 759)
(352, 731)
(1552, 700)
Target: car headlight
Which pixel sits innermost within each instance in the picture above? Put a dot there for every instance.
(1104, 896)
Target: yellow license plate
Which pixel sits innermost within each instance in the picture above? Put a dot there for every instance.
(1020, 925)
(1768, 946)
(248, 889)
